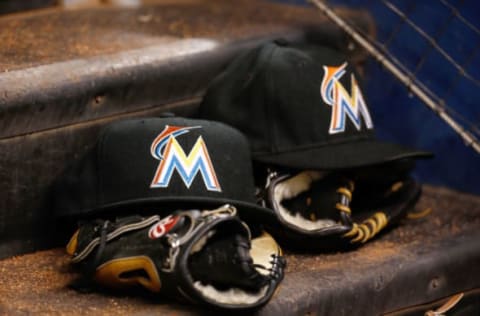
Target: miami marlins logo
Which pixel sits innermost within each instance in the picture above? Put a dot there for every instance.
(166, 148)
(343, 104)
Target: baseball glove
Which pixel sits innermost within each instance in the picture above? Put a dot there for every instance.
(201, 256)
(320, 209)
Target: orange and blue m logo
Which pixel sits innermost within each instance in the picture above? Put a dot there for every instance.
(343, 104)
(172, 157)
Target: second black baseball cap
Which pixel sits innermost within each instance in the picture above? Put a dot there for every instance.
(300, 107)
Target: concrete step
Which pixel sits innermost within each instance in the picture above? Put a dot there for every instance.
(417, 264)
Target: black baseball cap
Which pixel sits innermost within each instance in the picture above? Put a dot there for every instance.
(156, 164)
(300, 107)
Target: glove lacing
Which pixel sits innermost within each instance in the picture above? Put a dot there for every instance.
(85, 284)
(369, 227)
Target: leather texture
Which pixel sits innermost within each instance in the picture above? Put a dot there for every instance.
(200, 256)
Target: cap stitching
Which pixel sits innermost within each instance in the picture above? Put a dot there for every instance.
(271, 130)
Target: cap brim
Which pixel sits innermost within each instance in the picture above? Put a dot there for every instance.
(342, 156)
(165, 205)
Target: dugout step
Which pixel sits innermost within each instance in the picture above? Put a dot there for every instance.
(408, 270)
